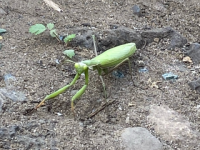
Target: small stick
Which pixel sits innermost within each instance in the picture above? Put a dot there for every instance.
(95, 51)
(57, 38)
(95, 47)
(100, 109)
(53, 5)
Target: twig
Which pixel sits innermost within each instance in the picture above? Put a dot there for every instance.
(53, 5)
(100, 76)
(100, 108)
(57, 38)
(95, 46)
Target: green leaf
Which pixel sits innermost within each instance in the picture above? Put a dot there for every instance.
(37, 29)
(69, 38)
(53, 33)
(70, 53)
(50, 26)
(2, 31)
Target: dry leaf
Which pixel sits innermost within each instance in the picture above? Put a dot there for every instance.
(154, 85)
(53, 5)
(131, 104)
(1, 37)
(187, 59)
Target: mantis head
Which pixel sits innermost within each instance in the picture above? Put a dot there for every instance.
(80, 67)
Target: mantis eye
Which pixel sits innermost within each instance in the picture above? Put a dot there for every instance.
(80, 67)
(76, 65)
(85, 67)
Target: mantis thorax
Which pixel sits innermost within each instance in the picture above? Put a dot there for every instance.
(80, 67)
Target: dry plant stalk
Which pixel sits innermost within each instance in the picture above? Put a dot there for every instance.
(53, 5)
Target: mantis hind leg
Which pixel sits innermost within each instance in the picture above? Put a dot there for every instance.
(108, 71)
(129, 64)
(102, 81)
(104, 86)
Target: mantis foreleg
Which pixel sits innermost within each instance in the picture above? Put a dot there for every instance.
(81, 91)
(56, 93)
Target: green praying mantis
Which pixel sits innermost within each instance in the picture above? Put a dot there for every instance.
(103, 63)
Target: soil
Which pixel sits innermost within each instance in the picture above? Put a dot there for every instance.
(32, 60)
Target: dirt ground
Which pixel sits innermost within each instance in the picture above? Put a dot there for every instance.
(32, 60)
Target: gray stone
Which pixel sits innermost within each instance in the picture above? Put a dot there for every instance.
(3, 133)
(106, 38)
(195, 85)
(0, 46)
(121, 35)
(9, 132)
(13, 129)
(176, 40)
(193, 51)
(155, 4)
(12, 94)
(2, 12)
(172, 126)
(139, 138)
(136, 10)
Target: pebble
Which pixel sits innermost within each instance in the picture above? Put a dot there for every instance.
(136, 10)
(139, 138)
(172, 126)
(2, 12)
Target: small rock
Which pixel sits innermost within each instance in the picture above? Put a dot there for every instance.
(13, 130)
(176, 40)
(156, 40)
(13, 94)
(139, 138)
(117, 74)
(114, 26)
(195, 85)
(2, 31)
(59, 114)
(169, 76)
(9, 132)
(86, 24)
(73, 92)
(159, 6)
(9, 80)
(3, 133)
(127, 120)
(193, 51)
(155, 4)
(143, 70)
(136, 10)
(2, 12)
(187, 59)
(140, 63)
(171, 126)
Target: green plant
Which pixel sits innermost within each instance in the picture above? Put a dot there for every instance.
(40, 28)
(70, 53)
